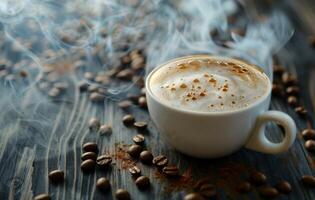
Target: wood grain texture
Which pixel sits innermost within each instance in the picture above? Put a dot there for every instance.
(60, 128)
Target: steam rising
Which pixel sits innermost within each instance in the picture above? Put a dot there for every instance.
(72, 37)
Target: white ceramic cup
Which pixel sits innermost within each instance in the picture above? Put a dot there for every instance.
(215, 134)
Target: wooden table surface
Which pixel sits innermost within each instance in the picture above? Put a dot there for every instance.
(36, 138)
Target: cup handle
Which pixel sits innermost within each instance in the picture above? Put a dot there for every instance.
(258, 140)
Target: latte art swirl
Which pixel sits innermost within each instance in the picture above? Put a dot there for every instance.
(208, 84)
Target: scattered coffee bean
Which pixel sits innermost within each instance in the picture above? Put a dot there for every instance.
(94, 124)
(257, 178)
(89, 155)
(90, 146)
(140, 124)
(146, 157)
(83, 86)
(142, 182)
(125, 104)
(128, 119)
(96, 97)
(160, 161)
(135, 171)
(171, 171)
(103, 184)
(61, 85)
(93, 88)
(288, 79)
(138, 139)
(125, 74)
(143, 91)
(208, 190)
(56, 176)
(301, 110)
(308, 180)
(88, 165)
(122, 194)
(308, 134)
(284, 187)
(102, 91)
(104, 161)
(23, 73)
(134, 150)
(278, 69)
(276, 89)
(292, 90)
(137, 63)
(142, 101)
(292, 101)
(268, 191)
(193, 196)
(89, 76)
(42, 197)
(244, 187)
(105, 129)
(54, 92)
(310, 145)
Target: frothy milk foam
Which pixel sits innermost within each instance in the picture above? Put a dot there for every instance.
(208, 84)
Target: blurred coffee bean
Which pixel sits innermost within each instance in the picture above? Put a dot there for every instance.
(301, 110)
(125, 74)
(94, 124)
(128, 119)
(142, 182)
(276, 89)
(288, 79)
(308, 134)
(146, 157)
(83, 86)
(140, 124)
(56, 176)
(103, 184)
(93, 88)
(90, 147)
(292, 101)
(42, 197)
(125, 104)
(54, 92)
(170, 171)
(105, 129)
(143, 91)
(89, 155)
(278, 69)
(257, 178)
(292, 90)
(88, 165)
(308, 180)
(134, 150)
(284, 187)
(244, 187)
(134, 171)
(310, 145)
(122, 194)
(142, 101)
(96, 97)
(138, 139)
(61, 85)
(89, 76)
(193, 196)
(268, 191)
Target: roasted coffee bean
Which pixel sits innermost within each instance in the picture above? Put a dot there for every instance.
(310, 145)
(54, 92)
(170, 171)
(276, 89)
(103, 184)
(102, 91)
(89, 155)
(83, 86)
(135, 171)
(292, 90)
(308, 134)
(244, 187)
(128, 119)
(134, 150)
(292, 101)
(93, 88)
(143, 91)
(61, 85)
(142, 182)
(308, 180)
(142, 101)
(56, 176)
(125, 74)
(140, 124)
(96, 97)
(268, 191)
(146, 157)
(257, 178)
(288, 79)
(138, 139)
(90, 146)
(104, 160)
(278, 69)
(160, 161)
(125, 104)
(208, 190)
(89, 76)
(105, 129)
(94, 124)
(301, 110)
(122, 194)
(137, 63)
(284, 187)
(88, 165)
(102, 79)
(42, 197)
(23, 73)
(193, 196)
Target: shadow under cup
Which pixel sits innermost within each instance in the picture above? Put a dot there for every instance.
(216, 134)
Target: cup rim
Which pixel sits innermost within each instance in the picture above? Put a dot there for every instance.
(192, 112)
